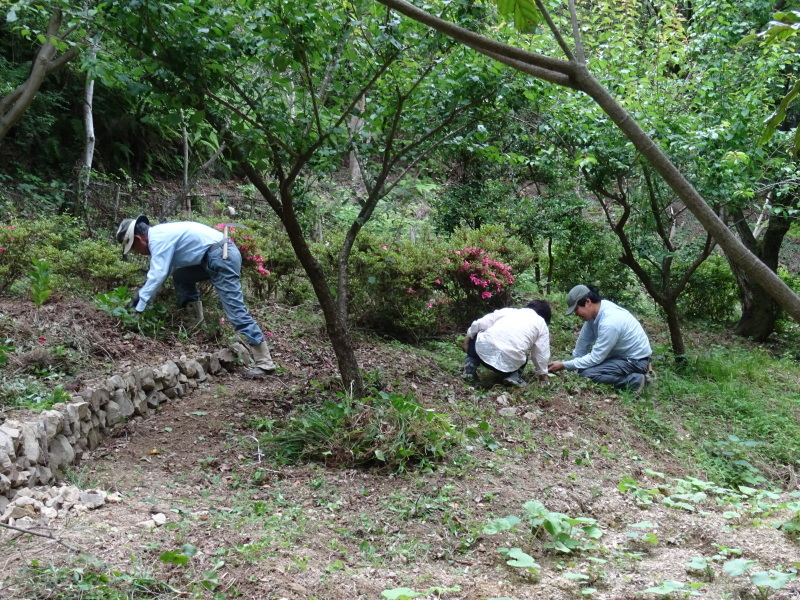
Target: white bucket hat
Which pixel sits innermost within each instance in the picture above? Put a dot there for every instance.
(125, 232)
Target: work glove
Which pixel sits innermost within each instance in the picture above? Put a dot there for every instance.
(133, 301)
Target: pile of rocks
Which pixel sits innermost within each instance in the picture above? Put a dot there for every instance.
(33, 450)
(37, 507)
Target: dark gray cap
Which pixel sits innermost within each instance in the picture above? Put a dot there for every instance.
(575, 294)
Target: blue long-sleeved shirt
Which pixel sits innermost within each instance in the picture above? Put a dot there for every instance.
(613, 333)
(172, 246)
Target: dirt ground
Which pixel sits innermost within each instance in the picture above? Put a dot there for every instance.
(267, 531)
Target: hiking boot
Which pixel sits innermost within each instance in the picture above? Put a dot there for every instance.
(470, 369)
(195, 311)
(514, 379)
(264, 365)
(639, 388)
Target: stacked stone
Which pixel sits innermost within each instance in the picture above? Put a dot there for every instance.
(32, 451)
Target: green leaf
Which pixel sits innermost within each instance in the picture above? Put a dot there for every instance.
(524, 12)
(773, 579)
(174, 558)
(697, 563)
(737, 567)
(665, 588)
(503, 524)
(400, 594)
(779, 115)
(518, 558)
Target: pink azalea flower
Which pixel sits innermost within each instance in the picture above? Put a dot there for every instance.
(486, 295)
(384, 247)
(2, 249)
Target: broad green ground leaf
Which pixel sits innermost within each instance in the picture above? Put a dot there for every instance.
(521, 559)
(503, 524)
(696, 564)
(773, 579)
(665, 588)
(737, 567)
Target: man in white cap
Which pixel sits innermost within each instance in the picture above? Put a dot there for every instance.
(612, 347)
(194, 252)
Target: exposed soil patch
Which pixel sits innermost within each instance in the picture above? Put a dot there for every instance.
(309, 531)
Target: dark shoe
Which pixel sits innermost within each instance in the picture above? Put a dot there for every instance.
(514, 379)
(470, 369)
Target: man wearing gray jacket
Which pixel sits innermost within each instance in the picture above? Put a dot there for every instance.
(612, 347)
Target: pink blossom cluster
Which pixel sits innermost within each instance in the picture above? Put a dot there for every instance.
(482, 273)
(247, 246)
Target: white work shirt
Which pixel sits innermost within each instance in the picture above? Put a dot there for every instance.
(172, 246)
(613, 333)
(505, 337)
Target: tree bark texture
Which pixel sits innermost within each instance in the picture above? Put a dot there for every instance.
(574, 75)
(759, 310)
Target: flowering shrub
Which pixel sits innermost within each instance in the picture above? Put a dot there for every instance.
(479, 274)
(416, 290)
(269, 266)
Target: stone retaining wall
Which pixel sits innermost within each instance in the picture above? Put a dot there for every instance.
(32, 451)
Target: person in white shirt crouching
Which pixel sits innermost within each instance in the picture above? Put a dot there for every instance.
(503, 339)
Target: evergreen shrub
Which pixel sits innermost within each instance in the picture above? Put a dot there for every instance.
(711, 294)
(589, 255)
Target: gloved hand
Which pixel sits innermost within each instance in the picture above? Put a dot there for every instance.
(133, 301)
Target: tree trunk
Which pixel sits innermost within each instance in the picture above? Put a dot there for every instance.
(337, 328)
(675, 333)
(759, 310)
(85, 171)
(574, 74)
(14, 104)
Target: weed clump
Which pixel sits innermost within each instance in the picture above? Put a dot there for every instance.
(389, 431)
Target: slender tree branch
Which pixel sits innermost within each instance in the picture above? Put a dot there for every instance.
(48, 536)
(576, 33)
(555, 31)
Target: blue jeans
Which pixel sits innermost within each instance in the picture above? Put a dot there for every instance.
(224, 275)
(622, 373)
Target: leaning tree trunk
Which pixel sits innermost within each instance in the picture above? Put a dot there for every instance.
(575, 75)
(14, 104)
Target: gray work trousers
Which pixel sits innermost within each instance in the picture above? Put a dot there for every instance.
(622, 373)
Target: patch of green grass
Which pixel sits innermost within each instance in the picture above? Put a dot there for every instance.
(732, 411)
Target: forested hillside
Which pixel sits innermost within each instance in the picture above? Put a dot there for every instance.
(391, 172)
